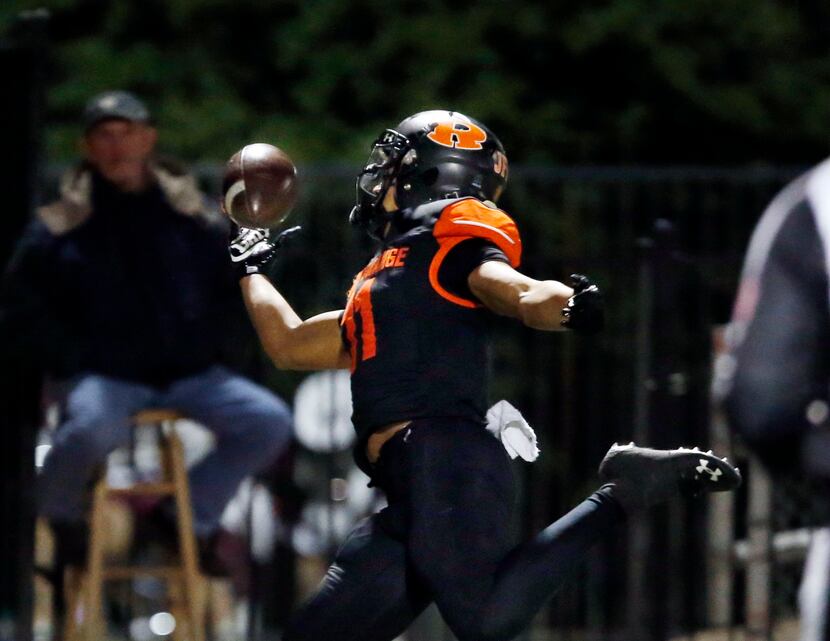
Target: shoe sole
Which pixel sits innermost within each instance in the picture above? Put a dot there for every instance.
(696, 471)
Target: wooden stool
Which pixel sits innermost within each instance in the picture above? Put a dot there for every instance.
(84, 619)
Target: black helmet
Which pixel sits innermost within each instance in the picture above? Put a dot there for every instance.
(430, 156)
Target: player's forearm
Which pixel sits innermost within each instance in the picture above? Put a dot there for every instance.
(293, 343)
(540, 305)
(273, 318)
(503, 290)
(536, 303)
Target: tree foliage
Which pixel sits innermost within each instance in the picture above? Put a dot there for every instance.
(709, 81)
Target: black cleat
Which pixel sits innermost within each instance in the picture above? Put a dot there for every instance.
(643, 477)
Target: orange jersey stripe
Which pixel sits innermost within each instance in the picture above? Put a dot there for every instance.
(445, 245)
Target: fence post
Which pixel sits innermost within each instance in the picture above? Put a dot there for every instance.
(639, 535)
(720, 559)
(22, 63)
(759, 560)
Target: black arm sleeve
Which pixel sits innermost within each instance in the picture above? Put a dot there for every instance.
(462, 260)
(782, 364)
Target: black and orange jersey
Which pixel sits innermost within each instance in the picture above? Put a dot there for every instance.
(418, 346)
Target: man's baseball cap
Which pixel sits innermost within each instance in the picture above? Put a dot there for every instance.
(114, 105)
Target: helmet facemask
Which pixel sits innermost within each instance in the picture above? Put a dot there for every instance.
(374, 180)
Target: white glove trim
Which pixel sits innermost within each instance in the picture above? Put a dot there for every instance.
(249, 241)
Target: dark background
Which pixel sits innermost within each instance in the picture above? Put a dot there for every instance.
(645, 138)
(599, 81)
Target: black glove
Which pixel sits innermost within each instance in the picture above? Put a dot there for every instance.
(584, 312)
(253, 249)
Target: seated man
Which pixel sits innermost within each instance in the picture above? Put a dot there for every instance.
(122, 287)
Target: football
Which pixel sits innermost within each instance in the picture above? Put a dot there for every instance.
(259, 186)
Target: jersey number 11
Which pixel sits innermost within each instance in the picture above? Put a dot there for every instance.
(360, 305)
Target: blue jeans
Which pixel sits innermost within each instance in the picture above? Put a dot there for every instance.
(251, 426)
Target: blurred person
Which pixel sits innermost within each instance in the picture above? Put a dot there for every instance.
(414, 333)
(122, 288)
(775, 375)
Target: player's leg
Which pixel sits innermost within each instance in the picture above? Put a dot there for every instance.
(251, 425)
(459, 485)
(461, 502)
(368, 594)
(98, 411)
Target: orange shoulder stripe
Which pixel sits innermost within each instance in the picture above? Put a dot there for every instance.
(470, 218)
(444, 247)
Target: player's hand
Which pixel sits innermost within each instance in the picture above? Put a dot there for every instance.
(252, 250)
(584, 313)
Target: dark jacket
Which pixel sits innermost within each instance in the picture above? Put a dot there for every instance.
(134, 286)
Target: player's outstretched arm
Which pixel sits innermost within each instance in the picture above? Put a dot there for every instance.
(505, 291)
(540, 304)
(291, 342)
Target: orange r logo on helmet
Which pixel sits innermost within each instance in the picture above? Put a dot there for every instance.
(458, 134)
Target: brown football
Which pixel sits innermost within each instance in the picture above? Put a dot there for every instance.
(259, 186)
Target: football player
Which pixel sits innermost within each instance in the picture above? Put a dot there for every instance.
(414, 334)
(774, 376)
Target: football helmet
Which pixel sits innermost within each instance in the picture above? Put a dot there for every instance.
(429, 156)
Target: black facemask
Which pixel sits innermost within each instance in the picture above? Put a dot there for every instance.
(374, 180)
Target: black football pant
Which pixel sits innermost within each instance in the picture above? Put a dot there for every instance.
(445, 537)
